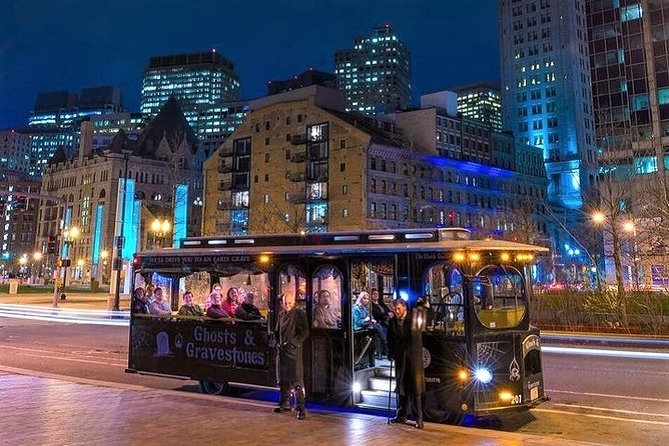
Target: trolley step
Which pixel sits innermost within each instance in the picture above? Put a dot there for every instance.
(380, 383)
(377, 399)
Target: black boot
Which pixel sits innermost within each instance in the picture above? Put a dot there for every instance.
(301, 414)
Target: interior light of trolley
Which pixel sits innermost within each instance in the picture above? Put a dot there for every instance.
(217, 242)
(459, 256)
(381, 237)
(245, 241)
(474, 256)
(264, 258)
(191, 242)
(505, 257)
(346, 238)
(419, 236)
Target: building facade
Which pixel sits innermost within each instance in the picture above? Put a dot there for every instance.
(18, 212)
(127, 185)
(54, 121)
(629, 56)
(304, 79)
(215, 123)
(375, 75)
(481, 102)
(195, 79)
(15, 149)
(301, 163)
(546, 91)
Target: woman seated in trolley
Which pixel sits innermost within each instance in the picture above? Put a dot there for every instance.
(362, 320)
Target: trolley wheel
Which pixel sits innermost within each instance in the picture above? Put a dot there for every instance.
(213, 387)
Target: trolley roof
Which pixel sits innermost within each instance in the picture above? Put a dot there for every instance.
(362, 242)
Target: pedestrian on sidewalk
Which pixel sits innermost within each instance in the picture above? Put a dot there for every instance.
(291, 331)
(405, 346)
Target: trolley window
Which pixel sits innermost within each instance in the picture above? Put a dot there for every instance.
(443, 289)
(500, 296)
(326, 285)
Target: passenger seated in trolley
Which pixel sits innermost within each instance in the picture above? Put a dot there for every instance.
(216, 288)
(160, 306)
(215, 311)
(189, 308)
(362, 320)
(324, 315)
(230, 302)
(247, 310)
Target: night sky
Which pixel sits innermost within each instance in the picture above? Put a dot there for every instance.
(72, 44)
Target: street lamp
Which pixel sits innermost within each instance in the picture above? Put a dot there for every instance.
(160, 229)
(70, 235)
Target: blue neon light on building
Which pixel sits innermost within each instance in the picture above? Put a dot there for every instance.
(97, 233)
(129, 233)
(180, 213)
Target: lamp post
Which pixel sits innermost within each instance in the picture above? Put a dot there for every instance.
(160, 229)
(630, 228)
(23, 261)
(37, 259)
(70, 235)
(118, 262)
(102, 265)
(611, 224)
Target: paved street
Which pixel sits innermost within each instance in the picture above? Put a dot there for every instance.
(84, 301)
(54, 410)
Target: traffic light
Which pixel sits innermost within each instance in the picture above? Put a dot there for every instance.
(21, 202)
(51, 245)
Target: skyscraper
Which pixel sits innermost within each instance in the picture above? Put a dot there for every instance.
(375, 75)
(629, 54)
(54, 121)
(481, 102)
(196, 80)
(546, 93)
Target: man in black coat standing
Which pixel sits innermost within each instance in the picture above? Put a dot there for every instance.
(292, 330)
(405, 346)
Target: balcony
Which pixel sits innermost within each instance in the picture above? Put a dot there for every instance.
(226, 205)
(225, 168)
(225, 185)
(298, 197)
(226, 152)
(296, 177)
(299, 157)
(317, 177)
(298, 140)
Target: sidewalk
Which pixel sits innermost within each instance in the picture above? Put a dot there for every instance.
(56, 410)
(80, 301)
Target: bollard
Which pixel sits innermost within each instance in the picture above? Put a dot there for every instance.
(63, 296)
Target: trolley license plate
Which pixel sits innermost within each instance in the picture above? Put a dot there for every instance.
(534, 393)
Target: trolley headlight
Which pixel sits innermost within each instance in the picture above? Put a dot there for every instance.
(505, 396)
(463, 375)
(357, 387)
(483, 375)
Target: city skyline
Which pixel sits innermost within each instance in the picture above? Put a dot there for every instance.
(84, 47)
